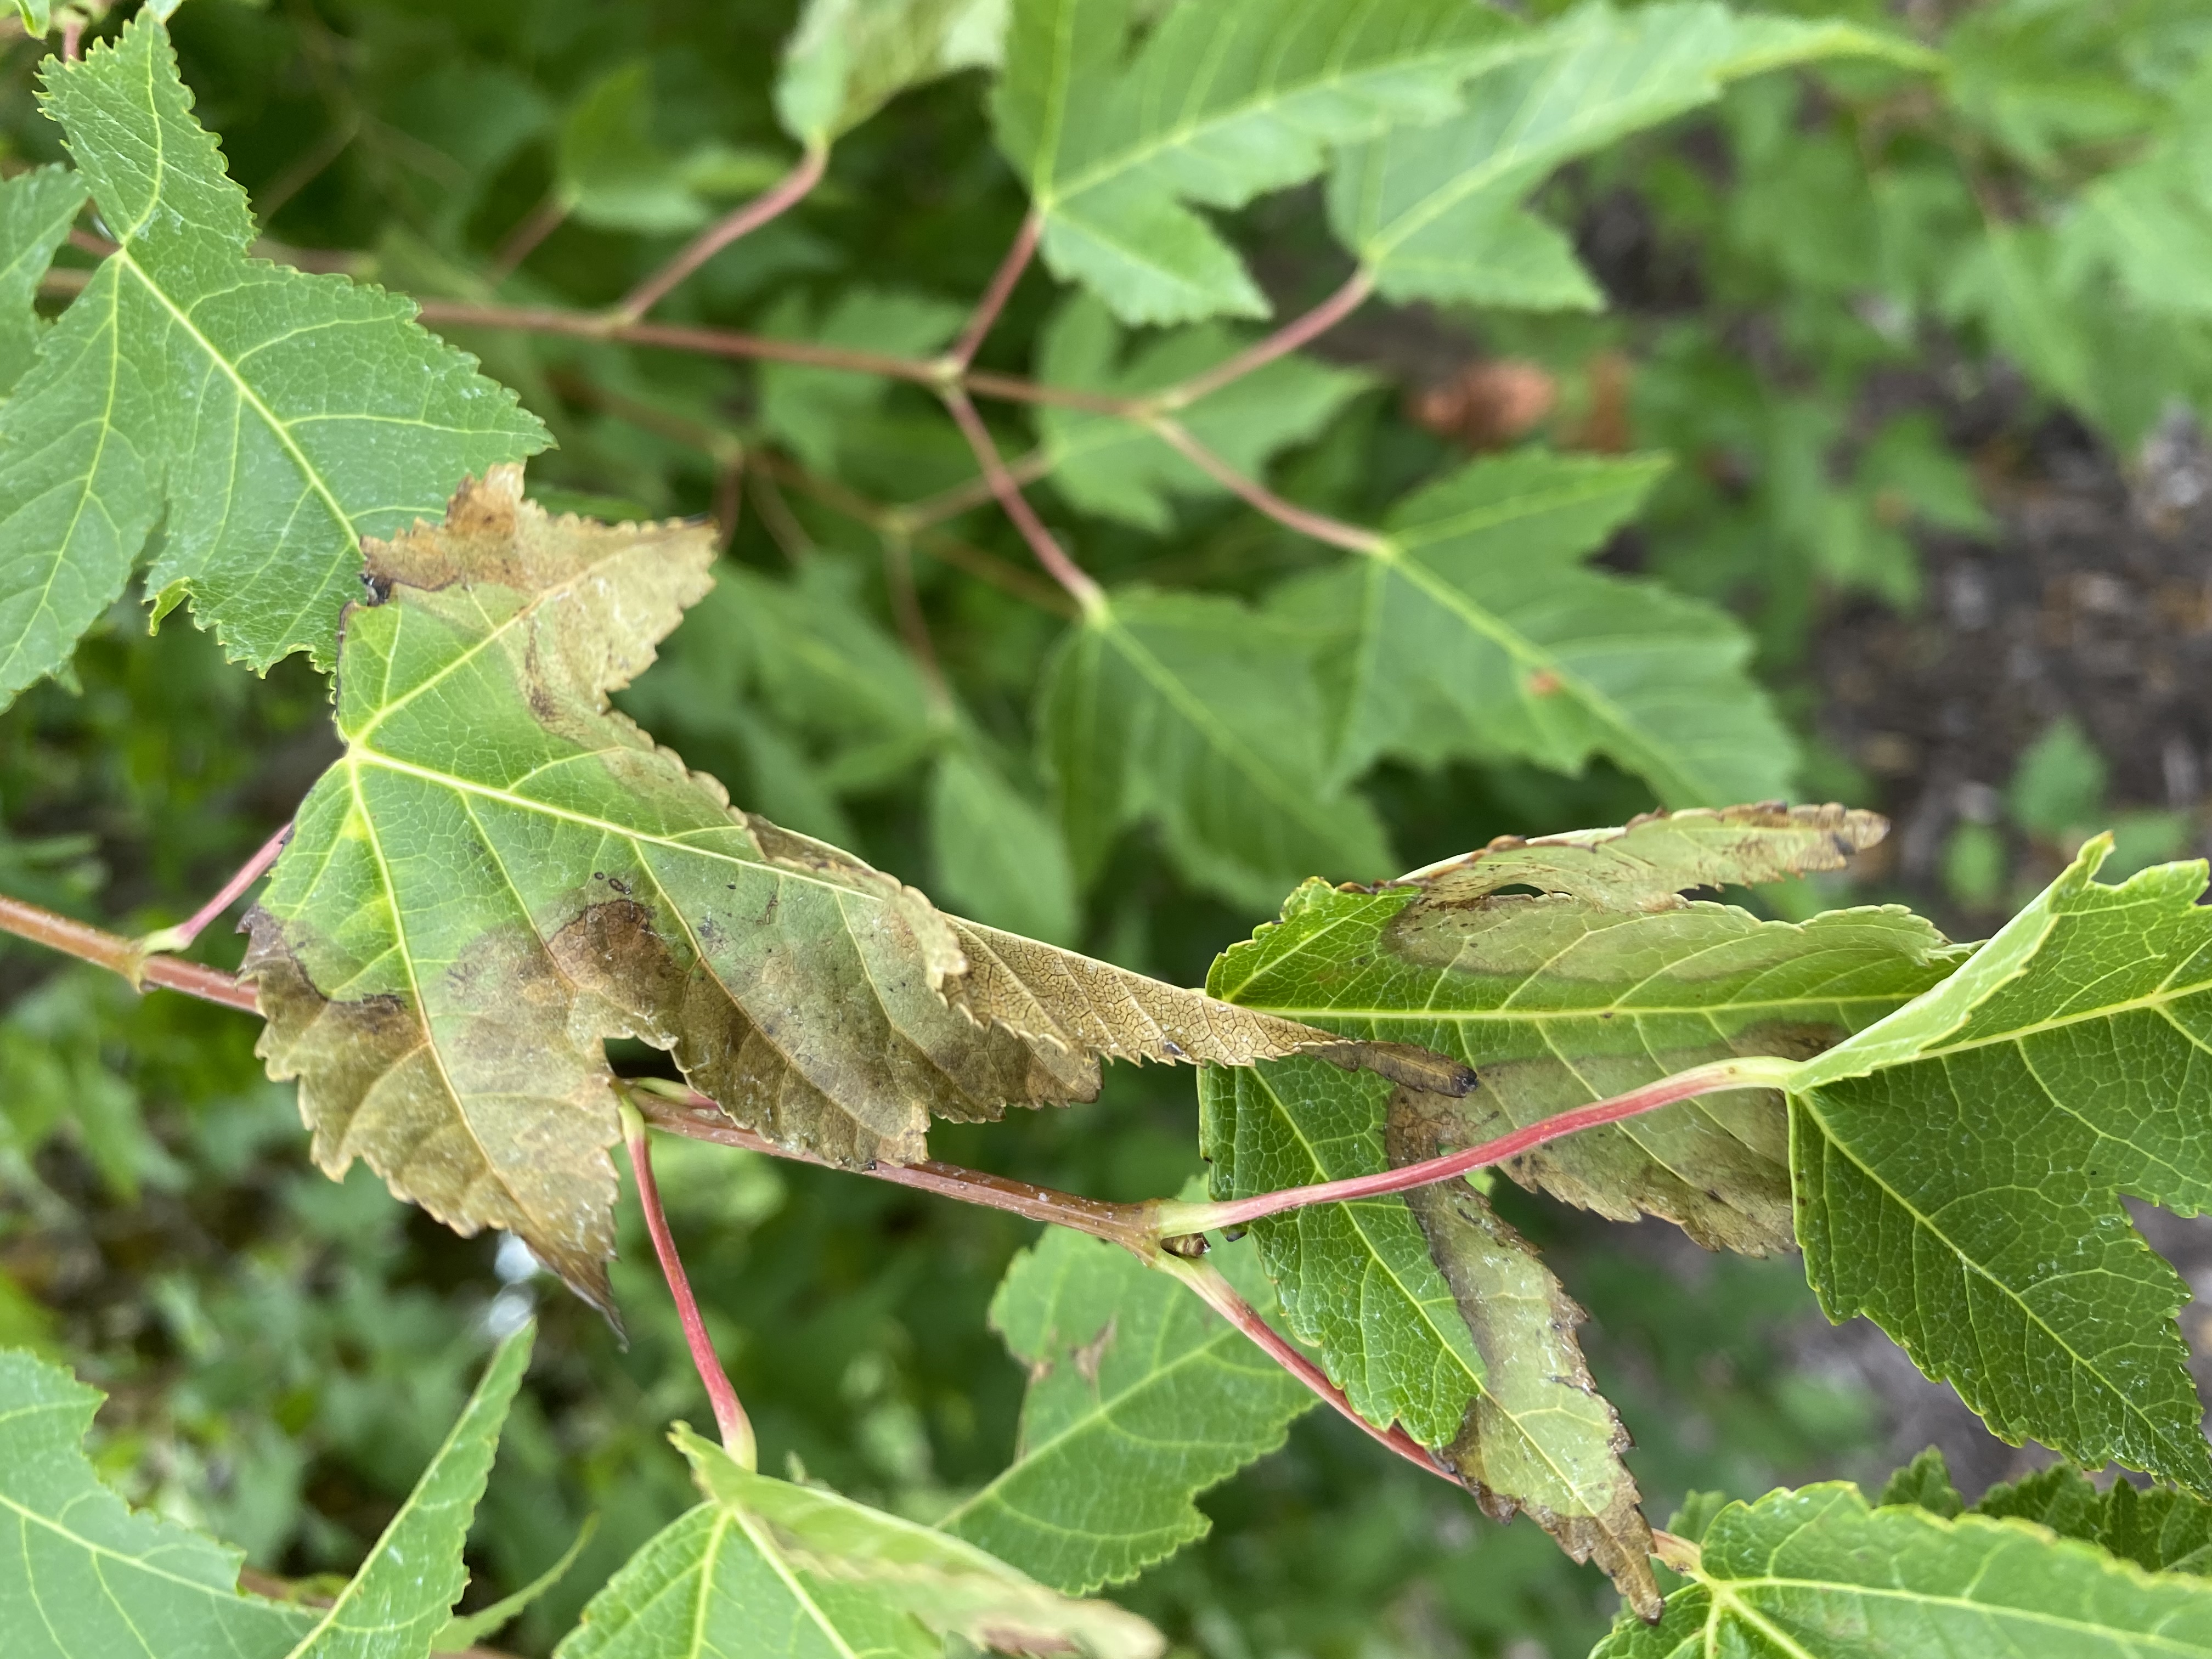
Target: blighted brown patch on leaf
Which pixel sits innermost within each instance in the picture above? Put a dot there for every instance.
(374, 1084)
(1537, 1437)
(1627, 997)
(1652, 861)
(502, 872)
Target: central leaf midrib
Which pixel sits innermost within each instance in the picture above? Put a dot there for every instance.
(1103, 1411)
(249, 397)
(1660, 769)
(1580, 493)
(1540, 1016)
(421, 1011)
(1728, 1591)
(606, 826)
(1171, 689)
(1059, 192)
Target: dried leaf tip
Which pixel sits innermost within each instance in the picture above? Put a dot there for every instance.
(1652, 860)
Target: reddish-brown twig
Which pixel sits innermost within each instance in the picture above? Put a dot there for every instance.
(1085, 593)
(1003, 282)
(686, 1112)
(1140, 1227)
(1175, 1216)
(1286, 339)
(730, 343)
(181, 936)
(1205, 1281)
(522, 242)
(1322, 528)
(785, 194)
(737, 1429)
(123, 955)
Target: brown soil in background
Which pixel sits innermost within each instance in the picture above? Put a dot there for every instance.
(2094, 601)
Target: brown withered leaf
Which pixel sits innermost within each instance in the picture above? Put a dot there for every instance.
(501, 873)
(1652, 861)
(1538, 1436)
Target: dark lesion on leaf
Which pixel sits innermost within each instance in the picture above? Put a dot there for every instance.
(1526, 1369)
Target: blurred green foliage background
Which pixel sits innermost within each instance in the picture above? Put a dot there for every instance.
(1863, 312)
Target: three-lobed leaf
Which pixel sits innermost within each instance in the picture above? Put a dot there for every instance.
(1219, 103)
(1958, 1166)
(1429, 1310)
(1139, 1398)
(189, 385)
(499, 873)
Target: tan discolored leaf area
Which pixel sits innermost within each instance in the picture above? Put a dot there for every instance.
(501, 873)
(1607, 979)
(1652, 861)
(1426, 1307)
(1537, 1437)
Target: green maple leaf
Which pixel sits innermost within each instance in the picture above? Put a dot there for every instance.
(1108, 466)
(1815, 1574)
(81, 1573)
(36, 211)
(847, 58)
(1959, 1167)
(189, 379)
(499, 873)
(1140, 1398)
(2160, 1530)
(1435, 212)
(1191, 712)
(85, 1577)
(1608, 982)
(400, 1601)
(767, 1570)
(1221, 102)
(1475, 631)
